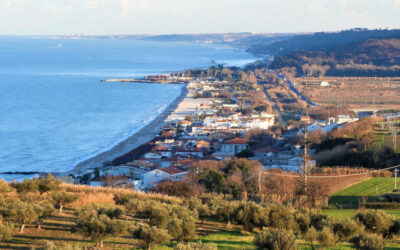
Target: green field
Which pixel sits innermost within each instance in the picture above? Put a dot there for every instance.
(350, 197)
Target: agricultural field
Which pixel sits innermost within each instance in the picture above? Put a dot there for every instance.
(369, 189)
(353, 92)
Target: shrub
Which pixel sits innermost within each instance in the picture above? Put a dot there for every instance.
(282, 217)
(63, 198)
(346, 229)
(326, 238)
(368, 241)
(151, 236)
(250, 214)
(311, 236)
(183, 224)
(275, 239)
(4, 187)
(5, 232)
(195, 246)
(375, 221)
(97, 226)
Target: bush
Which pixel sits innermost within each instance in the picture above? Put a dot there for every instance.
(4, 187)
(151, 236)
(326, 238)
(275, 239)
(381, 205)
(346, 229)
(96, 226)
(5, 232)
(368, 242)
(375, 221)
(251, 214)
(195, 246)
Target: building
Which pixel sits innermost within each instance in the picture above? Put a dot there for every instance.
(324, 84)
(234, 146)
(151, 178)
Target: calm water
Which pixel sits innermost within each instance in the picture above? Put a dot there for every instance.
(55, 112)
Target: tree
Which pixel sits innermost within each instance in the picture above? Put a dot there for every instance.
(375, 221)
(150, 235)
(275, 239)
(368, 241)
(203, 210)
(326, 238)
(250, 214)
(21, 212)
(346, 229)
(4, 187)
(5, 232)
(49, 183)
(43, 210)
(182, 225)
(311, 236)
(64, 198)
(97, 226)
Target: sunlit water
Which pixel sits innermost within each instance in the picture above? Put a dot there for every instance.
(55, 112)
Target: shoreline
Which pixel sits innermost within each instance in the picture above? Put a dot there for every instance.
(144, 135)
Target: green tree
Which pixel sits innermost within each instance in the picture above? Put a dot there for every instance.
(311, 236)
(5, 232)
(368, 241)
(63, 198)
(150, 235)
(195, 246)
(275, 239)
(97, 226)
(48, 183)
(21, 212)
(43, 209)
(376, 221)
(250, 214)
(326, 238)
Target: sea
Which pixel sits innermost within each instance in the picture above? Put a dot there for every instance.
(54, 110)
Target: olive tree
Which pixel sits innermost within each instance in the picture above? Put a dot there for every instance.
(5, 232)
(63, 198)
(20, 212)
(97, 227)
(275, 239)
(150, 235)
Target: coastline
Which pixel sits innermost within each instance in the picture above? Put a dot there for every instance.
(144, 135)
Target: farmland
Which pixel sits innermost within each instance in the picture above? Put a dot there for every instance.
(354, 92)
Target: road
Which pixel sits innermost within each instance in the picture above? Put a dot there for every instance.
(278, 111)
(291, 86)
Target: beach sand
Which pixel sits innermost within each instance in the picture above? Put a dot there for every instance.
(182, 106)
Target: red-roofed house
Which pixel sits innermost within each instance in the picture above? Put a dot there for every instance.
(234, 146)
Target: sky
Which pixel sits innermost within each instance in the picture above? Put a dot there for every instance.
(112, 17)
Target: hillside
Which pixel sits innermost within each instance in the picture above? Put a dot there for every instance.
(373, 57)
(321, 41)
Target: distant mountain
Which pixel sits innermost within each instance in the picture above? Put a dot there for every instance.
(321, 41)
(380, 57)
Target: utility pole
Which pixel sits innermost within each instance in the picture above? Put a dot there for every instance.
(395, 178)
(306, 162)
(259, 181)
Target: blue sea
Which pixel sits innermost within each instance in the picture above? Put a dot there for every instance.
(55, 112)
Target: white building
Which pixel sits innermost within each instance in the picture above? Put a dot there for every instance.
(149, 179)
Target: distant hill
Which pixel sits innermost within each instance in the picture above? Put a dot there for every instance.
(373, 57)
(243, 39)
(321, 41)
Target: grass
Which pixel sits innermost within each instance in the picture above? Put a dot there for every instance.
(370, 189)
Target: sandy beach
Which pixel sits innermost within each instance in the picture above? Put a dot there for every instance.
(182, 106)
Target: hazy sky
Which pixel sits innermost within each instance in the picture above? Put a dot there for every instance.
(49, 17)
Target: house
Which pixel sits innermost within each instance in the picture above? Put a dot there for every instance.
(305, 119)
(203, 144)
(234, 146)
(189, 151)
(151, 178)
(324, 84)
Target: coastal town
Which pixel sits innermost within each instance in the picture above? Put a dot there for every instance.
(214, 122)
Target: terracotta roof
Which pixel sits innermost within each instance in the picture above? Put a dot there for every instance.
(237, 140)
(172, 170)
